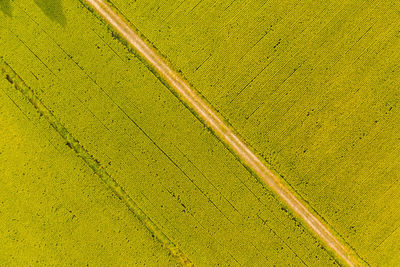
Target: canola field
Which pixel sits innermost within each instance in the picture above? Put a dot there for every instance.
(103, 165)
(312, 86)
(54, 209)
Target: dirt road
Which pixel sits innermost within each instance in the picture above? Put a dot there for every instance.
(225, 133)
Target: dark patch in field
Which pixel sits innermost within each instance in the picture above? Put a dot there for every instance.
(278, 43)
(52, 9)
(69, 144)
(9, 79)
(6, 7)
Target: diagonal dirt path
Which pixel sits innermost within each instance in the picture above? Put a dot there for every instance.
(210, 117)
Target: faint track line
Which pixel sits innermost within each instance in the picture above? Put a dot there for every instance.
(210, 117)
(7, 72)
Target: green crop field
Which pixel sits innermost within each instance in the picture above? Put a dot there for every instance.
(174, 169)
(103, 165)
(312, 86)
(54, 209)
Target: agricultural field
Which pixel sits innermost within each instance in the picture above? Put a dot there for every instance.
(312, 87)
(103, 165)
(53, 207)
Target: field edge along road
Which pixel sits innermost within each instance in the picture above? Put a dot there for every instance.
(225, 133)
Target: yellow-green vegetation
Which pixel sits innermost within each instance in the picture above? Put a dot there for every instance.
(312, 86)
(86, 108)
(53, 209)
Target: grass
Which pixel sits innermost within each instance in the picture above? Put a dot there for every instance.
(134, 129)
(312, 86)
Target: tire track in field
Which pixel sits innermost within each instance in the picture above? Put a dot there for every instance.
(12, 77)
(209, 116)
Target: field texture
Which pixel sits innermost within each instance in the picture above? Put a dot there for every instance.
(103, 165)
(53, 209)
(312, 86)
